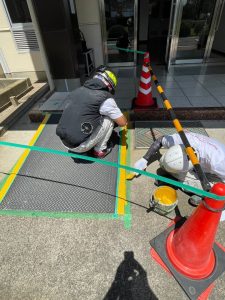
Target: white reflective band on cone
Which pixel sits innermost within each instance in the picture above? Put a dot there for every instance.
(145, 69)
(145, 80)
(145, 91)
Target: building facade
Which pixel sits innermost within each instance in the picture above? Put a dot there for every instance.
(46, 39)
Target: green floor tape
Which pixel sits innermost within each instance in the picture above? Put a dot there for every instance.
(25, 213)
(107, 163)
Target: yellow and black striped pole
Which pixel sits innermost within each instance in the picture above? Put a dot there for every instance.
(189, 150)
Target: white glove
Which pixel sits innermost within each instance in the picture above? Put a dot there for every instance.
(141, 164)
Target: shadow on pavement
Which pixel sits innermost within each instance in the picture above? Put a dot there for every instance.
(130, 281)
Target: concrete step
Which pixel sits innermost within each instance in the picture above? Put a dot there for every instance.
(189, 113)
(160, 114)
(10, 115)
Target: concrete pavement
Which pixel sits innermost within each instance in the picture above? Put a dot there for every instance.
(47, 258)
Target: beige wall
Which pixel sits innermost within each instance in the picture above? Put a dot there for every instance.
(1, 72)
(17, 62)
(3, 18)
(89, 23)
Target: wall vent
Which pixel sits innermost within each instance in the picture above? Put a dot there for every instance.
(26, 40)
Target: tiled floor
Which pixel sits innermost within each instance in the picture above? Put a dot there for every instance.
(192, 90)
(204, 90)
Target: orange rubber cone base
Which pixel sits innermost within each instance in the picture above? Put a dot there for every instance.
(203, 296)
(195, 289)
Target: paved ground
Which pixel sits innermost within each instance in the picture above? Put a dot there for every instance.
(44, 258)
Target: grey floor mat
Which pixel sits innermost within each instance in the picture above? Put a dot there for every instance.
(53, 183)
(147, 131)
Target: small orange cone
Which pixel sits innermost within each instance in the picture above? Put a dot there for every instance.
(144, 98)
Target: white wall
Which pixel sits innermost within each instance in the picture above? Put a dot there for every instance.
(219, 41)
(89, 23)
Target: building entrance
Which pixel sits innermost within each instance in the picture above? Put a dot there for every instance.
(173, 31)
(182, 31)
(196, 31)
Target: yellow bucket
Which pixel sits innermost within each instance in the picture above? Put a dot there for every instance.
(165, 199)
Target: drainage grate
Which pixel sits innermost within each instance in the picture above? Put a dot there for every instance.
(147, 132)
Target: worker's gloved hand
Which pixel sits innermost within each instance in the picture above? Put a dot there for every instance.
(141, 164)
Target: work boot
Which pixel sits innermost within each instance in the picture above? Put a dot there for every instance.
(103, 153)
(195, 200)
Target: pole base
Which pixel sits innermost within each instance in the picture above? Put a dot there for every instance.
(193, 288)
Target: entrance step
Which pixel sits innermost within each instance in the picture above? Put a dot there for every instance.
(11, 114)
(189, 113)
(159, 114)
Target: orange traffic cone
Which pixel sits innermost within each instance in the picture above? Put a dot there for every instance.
(188, 250)
(144, 98)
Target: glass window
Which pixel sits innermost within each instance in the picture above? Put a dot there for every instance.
(119, 17)
(21, 25)
(195, 26)
(18, 11)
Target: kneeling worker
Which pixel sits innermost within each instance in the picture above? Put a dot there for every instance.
(88, 120)
(210, 152)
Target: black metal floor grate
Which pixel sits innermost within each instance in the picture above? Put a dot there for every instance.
(146, 132)
(52, 183)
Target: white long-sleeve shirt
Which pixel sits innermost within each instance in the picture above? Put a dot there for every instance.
(211, 152)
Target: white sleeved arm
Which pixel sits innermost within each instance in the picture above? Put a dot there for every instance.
(171, 140)
(110, 109)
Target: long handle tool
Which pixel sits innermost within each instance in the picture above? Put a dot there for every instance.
(189, 150)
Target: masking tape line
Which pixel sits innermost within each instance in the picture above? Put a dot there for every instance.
(22, 159)
(111, 164)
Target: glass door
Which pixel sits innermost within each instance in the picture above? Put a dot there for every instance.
(119, 31)
(191, 30)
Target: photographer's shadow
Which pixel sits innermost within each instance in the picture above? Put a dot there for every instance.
(130, 281)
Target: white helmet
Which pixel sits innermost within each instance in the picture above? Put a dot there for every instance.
(175, 160)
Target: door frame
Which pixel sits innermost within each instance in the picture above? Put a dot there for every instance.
(214, 27)
(104, 36)
(172, 40)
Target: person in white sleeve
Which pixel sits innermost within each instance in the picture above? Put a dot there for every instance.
(210, 152)
(88, 120)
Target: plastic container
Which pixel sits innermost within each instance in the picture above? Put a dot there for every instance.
(164, 199)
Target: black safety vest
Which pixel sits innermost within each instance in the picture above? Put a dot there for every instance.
(81, 116)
